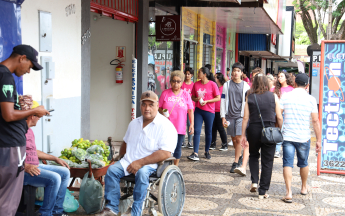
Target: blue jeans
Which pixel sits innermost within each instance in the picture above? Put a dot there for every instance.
(190, 136)
(201, 116)
(178, 149)
(302, 150)
(55, 180)
(112, 192)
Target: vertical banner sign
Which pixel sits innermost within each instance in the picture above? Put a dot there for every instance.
(134, 88)
(315, 81)
(168, 28)
(332, 107)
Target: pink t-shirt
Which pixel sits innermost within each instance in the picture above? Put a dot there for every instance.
(188, 88)
(178, 116)
(272, 89)
(31, 153)
(285, 90)
(161, 80)
(206, 92)
(217, 104)
(246, 80)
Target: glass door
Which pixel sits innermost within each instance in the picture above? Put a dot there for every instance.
(219, 60)
(189, 56)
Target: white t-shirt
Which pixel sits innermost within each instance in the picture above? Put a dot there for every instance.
(160, 134)
(298, 106)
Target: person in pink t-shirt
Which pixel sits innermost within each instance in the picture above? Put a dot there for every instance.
(175, 103)
(205, 93)
(188, 86)
(217, 123)
(161, 80)
(53, 178)
(270, 79)
(284, 84)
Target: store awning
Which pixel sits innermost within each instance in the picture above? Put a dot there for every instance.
(262, 54)
(249, 20)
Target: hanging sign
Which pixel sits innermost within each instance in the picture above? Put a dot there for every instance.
(332, 107)
(168, 28)
(121, 53)
(134, 88)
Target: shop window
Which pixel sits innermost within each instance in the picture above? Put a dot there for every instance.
(160, 56)
(219, 60)
(189, 56)
(206, 57)
(189, 33)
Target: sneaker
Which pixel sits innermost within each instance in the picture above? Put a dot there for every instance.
(207, 155)
(230, 143)
(184, 145)
(240, 161)
(189, 145)
(254, 188)
(213, 146)
(277, 154)
(234, 166)
(224, 147)
(240, 171)
(193, 157)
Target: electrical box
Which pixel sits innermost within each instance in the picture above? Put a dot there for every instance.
(48, 67)
(50, 103)
(45, 34)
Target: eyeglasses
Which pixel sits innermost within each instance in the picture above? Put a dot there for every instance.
(176, 81)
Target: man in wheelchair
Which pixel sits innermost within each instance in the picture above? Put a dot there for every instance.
(149, 139)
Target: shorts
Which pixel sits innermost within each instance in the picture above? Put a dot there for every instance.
(302, 150)
(235, 127)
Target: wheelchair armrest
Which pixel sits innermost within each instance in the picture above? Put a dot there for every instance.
(164, 164)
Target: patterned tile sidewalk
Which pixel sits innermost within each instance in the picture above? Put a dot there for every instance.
(212, 190)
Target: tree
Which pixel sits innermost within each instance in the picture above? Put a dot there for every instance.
(313, 13)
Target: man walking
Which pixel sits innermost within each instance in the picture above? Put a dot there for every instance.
(232, 111)
(13, 127)
(298, 106)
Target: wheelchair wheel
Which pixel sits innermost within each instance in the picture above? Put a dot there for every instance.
(172, 192)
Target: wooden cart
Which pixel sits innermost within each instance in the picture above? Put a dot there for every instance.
(80, 172)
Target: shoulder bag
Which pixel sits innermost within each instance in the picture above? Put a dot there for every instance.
(269, 135)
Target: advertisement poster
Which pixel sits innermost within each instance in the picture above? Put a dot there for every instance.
(332, 105)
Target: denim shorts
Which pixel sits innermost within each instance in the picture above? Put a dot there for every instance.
(302, 150)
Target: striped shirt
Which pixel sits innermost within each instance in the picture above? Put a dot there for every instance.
(298, 106)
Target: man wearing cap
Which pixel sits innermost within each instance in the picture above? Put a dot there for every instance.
(298, 106)
(54, 179)
(149, 139)
(13, 127)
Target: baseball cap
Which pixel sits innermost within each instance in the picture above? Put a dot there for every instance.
(30, 53)
(35, 104)
(149, 95)
(302, 79)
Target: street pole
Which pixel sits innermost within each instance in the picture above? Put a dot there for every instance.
(329, 27)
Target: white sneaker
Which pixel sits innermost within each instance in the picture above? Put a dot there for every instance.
(277, 154)
(240, 171)
(231, 143)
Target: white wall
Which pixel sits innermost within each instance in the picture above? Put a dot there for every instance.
(110, 102)
(66, 53)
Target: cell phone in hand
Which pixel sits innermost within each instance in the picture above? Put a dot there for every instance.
(51, 110)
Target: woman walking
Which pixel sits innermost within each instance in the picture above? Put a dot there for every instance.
(188, 86)
(269, 108)
(271, 85)
(174, 103)
(205, 93)
(217, 122)
(283, 85)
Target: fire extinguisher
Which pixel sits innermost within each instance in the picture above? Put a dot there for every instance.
(118, 70)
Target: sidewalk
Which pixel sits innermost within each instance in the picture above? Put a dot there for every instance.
(212, 190)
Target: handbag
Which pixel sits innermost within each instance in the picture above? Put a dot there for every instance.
(269, 135)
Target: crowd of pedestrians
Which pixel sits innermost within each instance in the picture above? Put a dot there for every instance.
(234, 105)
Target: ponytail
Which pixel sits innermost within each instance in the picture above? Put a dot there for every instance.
(209, 75)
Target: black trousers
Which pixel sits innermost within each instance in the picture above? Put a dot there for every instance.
(267, 157)
(218, 126)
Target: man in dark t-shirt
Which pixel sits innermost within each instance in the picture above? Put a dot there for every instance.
(13, 126)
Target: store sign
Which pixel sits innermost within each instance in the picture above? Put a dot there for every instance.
(168, 28)
(274, 39)
(134, 88)
(332, 105)
(219, 38)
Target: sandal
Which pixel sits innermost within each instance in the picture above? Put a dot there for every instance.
(264, 196)
(287, 200)
(254, 187)
(308, 190)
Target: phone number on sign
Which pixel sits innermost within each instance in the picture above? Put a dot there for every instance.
(334, 163)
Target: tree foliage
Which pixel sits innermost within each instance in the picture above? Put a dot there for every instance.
(313, 13)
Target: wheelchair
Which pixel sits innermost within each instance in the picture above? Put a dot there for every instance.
(171, 189)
